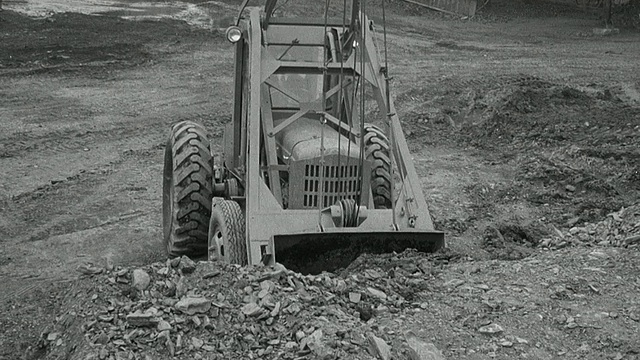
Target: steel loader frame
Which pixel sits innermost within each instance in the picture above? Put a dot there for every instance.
(253, 158)
(315, 167)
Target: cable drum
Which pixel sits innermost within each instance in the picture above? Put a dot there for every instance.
(349, 209)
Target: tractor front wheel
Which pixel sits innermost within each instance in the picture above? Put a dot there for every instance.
(186, 189)
(377, 150)
(227, 232)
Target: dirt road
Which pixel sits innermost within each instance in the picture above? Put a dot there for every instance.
(516, 122)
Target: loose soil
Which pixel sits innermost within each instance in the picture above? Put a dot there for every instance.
(522, 124)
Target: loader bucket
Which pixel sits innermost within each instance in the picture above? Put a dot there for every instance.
(312, 253)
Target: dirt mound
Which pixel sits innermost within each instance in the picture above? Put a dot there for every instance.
(620, 228)
(572, 145)
(510, 241)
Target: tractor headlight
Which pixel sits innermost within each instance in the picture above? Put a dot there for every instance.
(234, 34)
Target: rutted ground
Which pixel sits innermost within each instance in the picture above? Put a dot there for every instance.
(522, 129)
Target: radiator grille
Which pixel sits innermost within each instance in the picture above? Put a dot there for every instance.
(340, 182)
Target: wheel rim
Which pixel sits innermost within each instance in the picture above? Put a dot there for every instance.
(216, 244)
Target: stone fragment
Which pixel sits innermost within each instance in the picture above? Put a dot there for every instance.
(379, 347)
(105, 318)
(276, 309)
(132, 334)
(293, 309)
(52, 336)
(355, 297)
(163, 325)
(491, 329)
(571, 325)
(377, 293)
(316, 344)
(206, 323)
(193, 305)
(300, 335)
(263, 293)
(140, 279)
(372, 274)
(211, 274)
(252, 309)
(121, 272)
(632, 240)
(197, 343)
(142, 319)
(196, 321)
(167, 342)
(426, 266)
(267, 285)
(421, 350)
(484, 287)
(570, 188)
(89, 269)
(571, 222)
(187, 266)
(215, 312)
(365, 312)
(181, 287)
(101, 339)
(453, 283)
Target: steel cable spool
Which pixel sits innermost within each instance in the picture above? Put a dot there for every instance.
(349, 212)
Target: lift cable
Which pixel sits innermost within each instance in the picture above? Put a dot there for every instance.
(362, 37)
(323, 119)
(392, 140)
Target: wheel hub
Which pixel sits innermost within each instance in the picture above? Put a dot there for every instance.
(216, 245)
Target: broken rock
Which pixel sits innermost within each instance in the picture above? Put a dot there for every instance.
(377, 293)
(142, 319)
(140, 279)
(163, 325)
(197, 343)
(420, 350)
(187, 265)
(252, 309)
(491, 329)
(379, 347)
(193, 305)
(355, 297)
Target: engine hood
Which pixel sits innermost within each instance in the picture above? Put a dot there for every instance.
(302, 141)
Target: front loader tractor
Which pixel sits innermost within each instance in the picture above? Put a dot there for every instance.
(314, 162)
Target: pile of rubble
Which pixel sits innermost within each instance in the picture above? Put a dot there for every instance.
(183, 309)
(620, 229)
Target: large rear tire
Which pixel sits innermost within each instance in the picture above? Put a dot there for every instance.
(186, 188)
(377, 150)
(227, 232)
